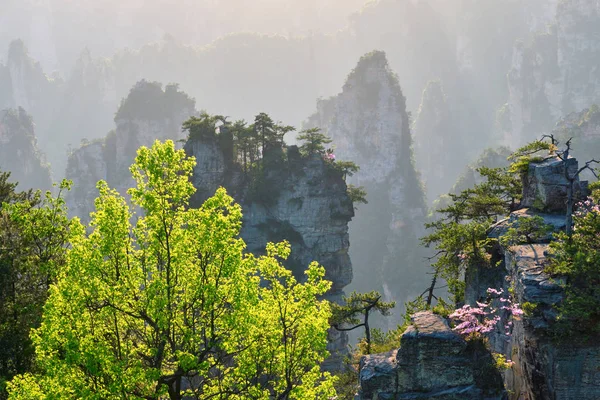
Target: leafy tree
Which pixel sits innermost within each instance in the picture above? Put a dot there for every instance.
(460, 234)
(204, 126)
(171, 307)
(33, 235)
(357, 194)
(527, 230)
(577, 258)
(346, 317)
(347, 168)
(530, 153)
(266, 131)
(314, 141)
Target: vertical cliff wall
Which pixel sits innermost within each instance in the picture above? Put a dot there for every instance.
(439, 145)
(556, 72)
(306, 204)
(19, 153)
(369, 125)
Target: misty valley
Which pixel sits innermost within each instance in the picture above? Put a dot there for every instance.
(287, 199)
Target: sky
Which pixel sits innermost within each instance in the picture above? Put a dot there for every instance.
(57, 31)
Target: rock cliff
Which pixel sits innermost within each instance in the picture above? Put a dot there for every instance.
(555, 72)
(432, 363)
(544, 368)
(302, 199)
(19, 153)
(369, 125)
(306, 204)
(147, 114)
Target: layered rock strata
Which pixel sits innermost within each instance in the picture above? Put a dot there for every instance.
(433, 362)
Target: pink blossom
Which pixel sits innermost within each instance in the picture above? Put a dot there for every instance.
(484, 318)
(494, 291)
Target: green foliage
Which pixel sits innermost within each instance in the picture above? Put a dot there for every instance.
(33, 239)
(202, 127)
(529, 308)
(460, 234)
(530, 153)
(357, 194)
(502, 364)
(526, 230)
(346, 168)
(577, 258)
(314, 141)
(355, 312)
(142, 311)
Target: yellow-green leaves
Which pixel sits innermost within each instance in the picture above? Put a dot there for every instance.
(166, 303)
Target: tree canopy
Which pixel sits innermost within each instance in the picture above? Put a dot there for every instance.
(170, 305)
(33, 239)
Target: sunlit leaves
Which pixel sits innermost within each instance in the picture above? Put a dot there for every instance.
(165, 303)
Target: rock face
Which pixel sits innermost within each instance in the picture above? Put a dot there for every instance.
(544, 369)
(546, 186)
(556, 73)
(307, 204)
(433, 362)
(369, 125)
(437, 142)
(19, 153)
(149, 113)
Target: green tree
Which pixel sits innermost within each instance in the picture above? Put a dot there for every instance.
(347, 168)
(460, 233)
(357, 194)
(204, 126)
(576, 257)
(355, 311)
(172, 307)
(314, 141)
(266, 131)
(33, 236)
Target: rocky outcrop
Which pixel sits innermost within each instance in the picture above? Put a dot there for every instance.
(305, 203)
(556, 72)
(302, 199)
(545, 188)
(19, 153)
(147, 114)
(433, 362)
(369, 125)
(544, 368)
